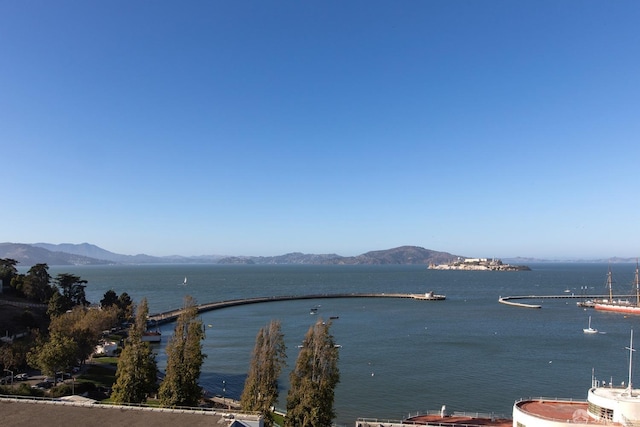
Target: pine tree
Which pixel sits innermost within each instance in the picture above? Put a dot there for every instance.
(137, 369)
(313, 381)
(184, 360)
(260, 392)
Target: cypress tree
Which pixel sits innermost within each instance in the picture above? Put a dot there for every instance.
(260, 392)
(137, 369)
(184, 360)
(313, 381)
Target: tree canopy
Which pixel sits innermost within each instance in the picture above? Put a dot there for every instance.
(184, 359)
(137, 369)
(260, 391)
(313, 380)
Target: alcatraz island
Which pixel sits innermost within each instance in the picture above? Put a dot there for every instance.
(478, 264)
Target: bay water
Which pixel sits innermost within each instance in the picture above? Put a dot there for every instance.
(400, 356)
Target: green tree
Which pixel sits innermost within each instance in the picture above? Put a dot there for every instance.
(137, 369)
(260, 392)
(36, 284)
(72, 289)
(184, 359)
(54, 355)
(8, 271)
(57, 305)
(85, 326)
(126, 307)
(109, 299)
(313, 381)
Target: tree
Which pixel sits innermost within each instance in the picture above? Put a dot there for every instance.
(184, 359)
(137, 369)
(85, 326)
(8, 271)
(56, 354)
(125, 306)
(260, 392)
(313, 381)
(122, 302)
(36, 284)
(72, 289)
(109, 299)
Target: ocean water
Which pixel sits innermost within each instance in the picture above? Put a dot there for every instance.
(400, 356)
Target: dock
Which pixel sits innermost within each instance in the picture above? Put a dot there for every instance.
(172, 315)
(508, 300)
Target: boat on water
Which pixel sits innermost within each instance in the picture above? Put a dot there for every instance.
(430, 296)
(620, 305)
(590, 330)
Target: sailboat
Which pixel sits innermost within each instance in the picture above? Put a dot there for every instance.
(590, 330)
(183, 283)
(621, 306)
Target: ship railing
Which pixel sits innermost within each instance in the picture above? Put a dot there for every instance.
(551, 399)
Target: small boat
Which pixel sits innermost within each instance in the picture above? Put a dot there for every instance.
(183, 283)
(313, 311)
(429, 296)
(590, 330)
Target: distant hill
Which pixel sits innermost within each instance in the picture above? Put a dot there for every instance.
(88, 254)
(400, 255)
(29, 255)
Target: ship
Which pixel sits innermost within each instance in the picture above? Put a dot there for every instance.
(606, 405)
(620, 305)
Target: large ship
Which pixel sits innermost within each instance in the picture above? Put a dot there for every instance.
(620, 305)
(605, 405)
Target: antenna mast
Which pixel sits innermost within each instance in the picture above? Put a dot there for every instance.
(631, 350)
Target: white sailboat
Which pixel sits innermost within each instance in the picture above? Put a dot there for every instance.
(590, 330)
(183, 283)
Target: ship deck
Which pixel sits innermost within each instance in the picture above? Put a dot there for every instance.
(458, 420)
(561, 411)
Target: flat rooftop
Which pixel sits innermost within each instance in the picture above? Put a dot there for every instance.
(63, 414)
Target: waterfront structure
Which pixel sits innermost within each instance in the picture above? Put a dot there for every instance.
(605, 405)
(478, 264)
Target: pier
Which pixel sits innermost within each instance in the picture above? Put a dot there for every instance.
(509, 300)
(172, 315)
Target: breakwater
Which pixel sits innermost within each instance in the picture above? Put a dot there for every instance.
(172, 315)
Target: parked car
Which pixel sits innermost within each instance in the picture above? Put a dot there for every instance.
(22, 377)
(44, 385)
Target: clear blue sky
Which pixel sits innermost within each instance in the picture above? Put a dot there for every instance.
(481, 128)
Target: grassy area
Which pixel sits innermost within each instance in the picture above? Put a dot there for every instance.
(278, 419)
(101, 376)
(113, 361)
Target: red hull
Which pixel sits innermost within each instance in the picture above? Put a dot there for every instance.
(627, 309)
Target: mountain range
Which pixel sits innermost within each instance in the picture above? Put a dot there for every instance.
(88, 254)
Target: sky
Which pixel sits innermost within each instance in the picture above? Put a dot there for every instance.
(492, 128)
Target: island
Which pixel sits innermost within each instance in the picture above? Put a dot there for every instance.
(478, 264)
